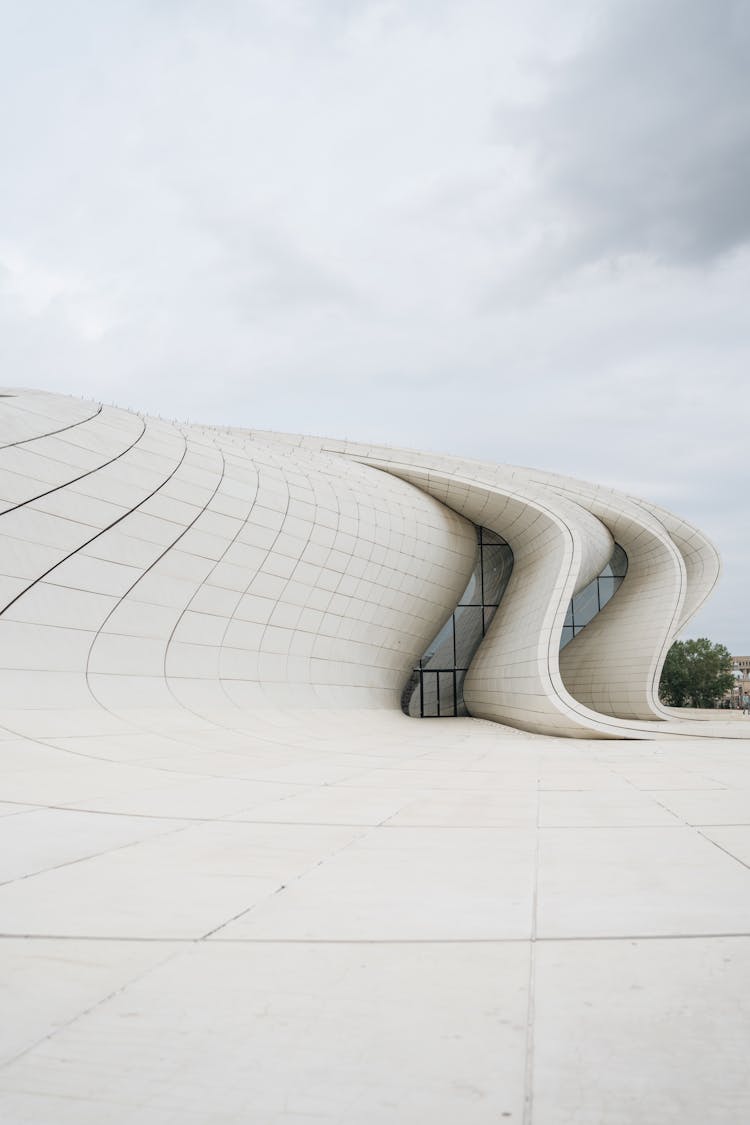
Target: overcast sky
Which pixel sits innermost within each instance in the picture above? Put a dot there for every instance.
(514, 231)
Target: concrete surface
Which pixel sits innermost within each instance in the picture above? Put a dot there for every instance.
(383, 920)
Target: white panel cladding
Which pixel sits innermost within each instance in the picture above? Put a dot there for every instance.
(203, 568)
(152, 570)
(555, 552)
(27, 416)
(612, 668)
(702, 562)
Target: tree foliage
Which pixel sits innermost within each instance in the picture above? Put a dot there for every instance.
(696, 674)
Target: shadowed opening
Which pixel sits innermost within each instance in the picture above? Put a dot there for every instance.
(435, 687)
(593, 598)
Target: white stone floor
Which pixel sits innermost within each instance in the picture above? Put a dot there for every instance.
(366, 919)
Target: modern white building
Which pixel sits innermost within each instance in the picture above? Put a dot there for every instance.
(335, 787)
(151, 565)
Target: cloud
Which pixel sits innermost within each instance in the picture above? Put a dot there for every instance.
(640, 143)
(508, 231)
(262, 271)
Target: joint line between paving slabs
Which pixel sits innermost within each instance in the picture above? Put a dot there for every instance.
(283, 886)
(91, 1008)
(181, 827)
(699, 828)
(528, 1099)
(190, 940)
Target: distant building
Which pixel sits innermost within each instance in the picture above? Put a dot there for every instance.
(740, 693)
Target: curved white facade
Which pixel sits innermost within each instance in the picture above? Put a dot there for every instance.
(150, 568)
(239, 884)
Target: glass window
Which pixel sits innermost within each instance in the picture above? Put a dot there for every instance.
(469, 633)
(436, 685)
(447, 697)
(472, 595)
(619, 562)
(440, 654)
(412, 696)
(607, 588)
(461, 708)
(585, 605)
(592, 598)
(429, 707)
(495, 573)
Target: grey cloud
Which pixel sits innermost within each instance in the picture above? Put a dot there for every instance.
(263, 270)
(641, 143)
(281, 215)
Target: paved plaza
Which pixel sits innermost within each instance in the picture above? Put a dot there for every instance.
(364, 918)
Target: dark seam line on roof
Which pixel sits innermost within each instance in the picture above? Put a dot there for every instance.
(147, 570)
(181, 741)
(88, 473)
(109, 527)
(51, 433)
(238, 595)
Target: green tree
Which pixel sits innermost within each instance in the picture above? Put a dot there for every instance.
(696, 674)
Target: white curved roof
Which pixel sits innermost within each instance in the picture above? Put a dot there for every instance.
(148, 565)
